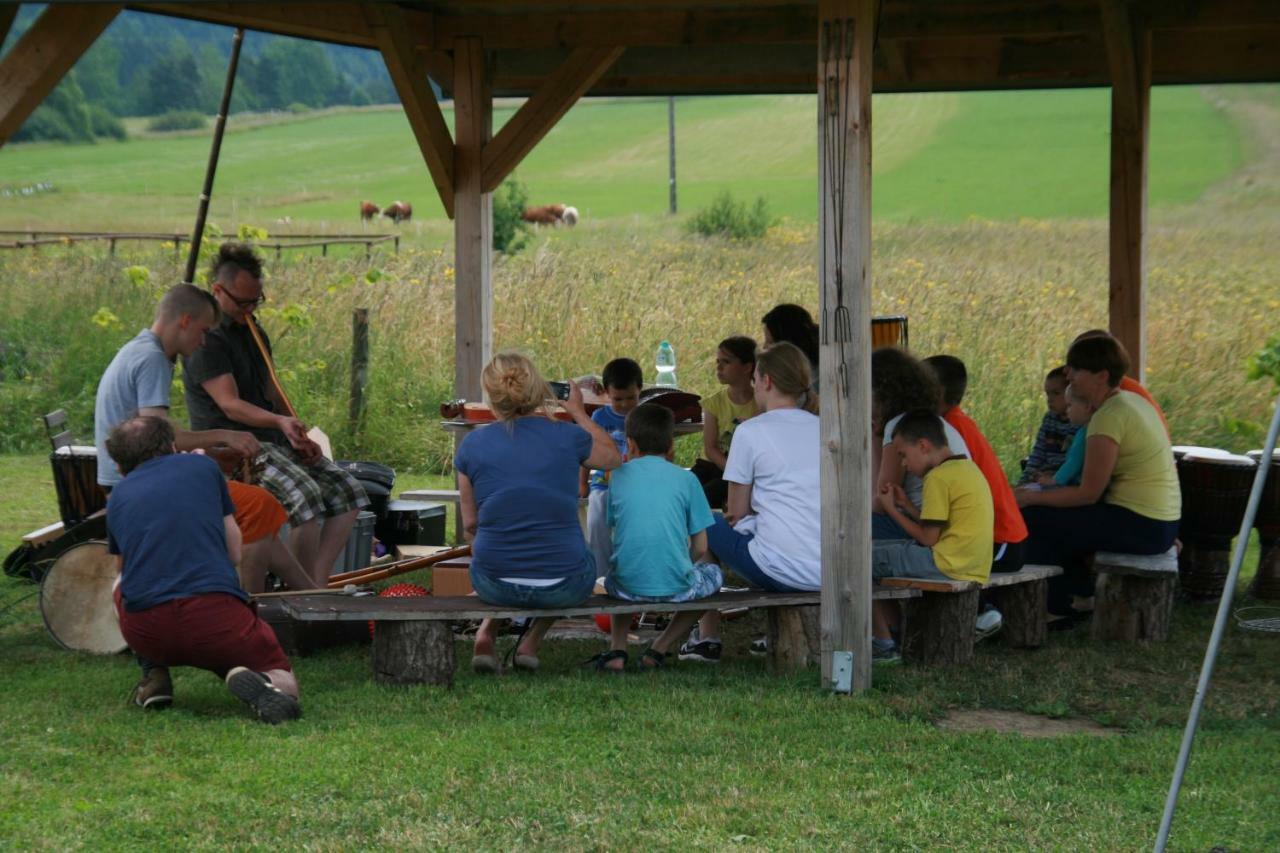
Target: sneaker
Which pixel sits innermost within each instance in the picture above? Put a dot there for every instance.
(989, 622)
(267, 701)
(154, 690)
(760, 646)
(885, 654)
(702, 651)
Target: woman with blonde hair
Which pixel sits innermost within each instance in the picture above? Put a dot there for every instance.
(769, 534)
(518, 487)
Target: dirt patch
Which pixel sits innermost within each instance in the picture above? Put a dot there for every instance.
(1016, 722)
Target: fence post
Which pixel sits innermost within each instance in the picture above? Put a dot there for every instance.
(397, 244)
(112, 249)
(359, 366)
(324, 250)
(368, 250)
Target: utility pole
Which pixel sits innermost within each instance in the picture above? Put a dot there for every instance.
(671, 145)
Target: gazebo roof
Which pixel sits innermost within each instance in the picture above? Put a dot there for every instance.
(767, 46)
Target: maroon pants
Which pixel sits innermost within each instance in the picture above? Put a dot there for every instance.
(213, 631)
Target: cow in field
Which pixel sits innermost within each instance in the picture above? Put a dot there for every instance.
(398, 211)
(551, 214)
(368, 210)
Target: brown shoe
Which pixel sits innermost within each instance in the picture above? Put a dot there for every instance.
(154, 691)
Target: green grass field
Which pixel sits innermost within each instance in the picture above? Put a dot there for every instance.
(946, 157)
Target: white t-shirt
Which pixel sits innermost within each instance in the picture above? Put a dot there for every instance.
(777, 454)
(911, 484)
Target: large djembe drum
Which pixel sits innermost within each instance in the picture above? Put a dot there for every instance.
(75, 479)
(1266, 583)
(1215, 492)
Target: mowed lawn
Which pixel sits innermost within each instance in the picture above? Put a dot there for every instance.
(946, 157)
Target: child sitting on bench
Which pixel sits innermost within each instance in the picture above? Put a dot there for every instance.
(659, 517)
(951, 531)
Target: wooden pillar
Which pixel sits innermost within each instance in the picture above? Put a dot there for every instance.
(845, 40)
(1129, 58)
(473, 218)
(43, 56)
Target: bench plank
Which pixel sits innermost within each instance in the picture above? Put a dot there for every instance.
(446, 495)
(342, 608)
(1138, 565)
(1026, 574)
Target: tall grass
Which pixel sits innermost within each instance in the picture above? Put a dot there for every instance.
(1007, 298)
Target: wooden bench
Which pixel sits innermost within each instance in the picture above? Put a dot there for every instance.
(437, 495)
(938, 628)
(1133, 596)
(414, 643)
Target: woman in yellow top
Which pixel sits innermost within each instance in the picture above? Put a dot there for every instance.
(1128, 498)
(723, 411)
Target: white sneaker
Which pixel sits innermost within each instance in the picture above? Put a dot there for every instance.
(989, 622)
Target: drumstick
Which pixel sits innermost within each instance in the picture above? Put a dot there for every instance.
(378, 573)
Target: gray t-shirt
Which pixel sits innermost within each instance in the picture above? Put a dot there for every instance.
(139, 377)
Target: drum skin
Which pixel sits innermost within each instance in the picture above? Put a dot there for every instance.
(76, 600)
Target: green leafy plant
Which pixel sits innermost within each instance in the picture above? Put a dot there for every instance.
(177, 120)
(1266, 362)
(510, 232)
(727, 217)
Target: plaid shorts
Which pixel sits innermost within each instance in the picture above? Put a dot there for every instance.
(321, 490)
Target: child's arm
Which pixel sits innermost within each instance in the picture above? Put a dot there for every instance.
(926, 534)
(711, 441)
(1037, 460)
(738, 505)
(698, 547)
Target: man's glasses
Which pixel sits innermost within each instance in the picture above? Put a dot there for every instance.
(244, 303)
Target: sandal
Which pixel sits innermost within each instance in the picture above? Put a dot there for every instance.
(652, 659)
(485, 664)
(529, 663)
(601, 661)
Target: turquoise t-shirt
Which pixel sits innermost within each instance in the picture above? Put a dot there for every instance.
(1073, 466)
(654, 507)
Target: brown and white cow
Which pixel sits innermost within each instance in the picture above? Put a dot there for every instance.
(398, 211)
(550, 214)
(368, 210)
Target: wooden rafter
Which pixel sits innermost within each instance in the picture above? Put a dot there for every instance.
(409, 74)
(44, 54)
(539, 114)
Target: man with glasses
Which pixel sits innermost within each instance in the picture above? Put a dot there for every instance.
(229, 385)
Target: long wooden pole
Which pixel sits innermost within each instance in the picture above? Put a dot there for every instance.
(845, 41)
(359, 366)
(220, 126)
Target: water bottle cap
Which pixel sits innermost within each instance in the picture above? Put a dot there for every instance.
(665, 344)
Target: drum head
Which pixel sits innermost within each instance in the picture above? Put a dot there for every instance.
(75, 600)
(1218, 457)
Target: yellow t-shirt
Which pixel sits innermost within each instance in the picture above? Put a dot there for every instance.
(1145, 479)
(728, 415)
(957, 496)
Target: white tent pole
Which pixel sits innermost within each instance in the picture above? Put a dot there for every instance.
(1219, 626)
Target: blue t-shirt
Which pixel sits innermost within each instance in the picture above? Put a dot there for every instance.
(654, 507)
(616, 425)
(524, 476)
(138, 377)
(166, 519)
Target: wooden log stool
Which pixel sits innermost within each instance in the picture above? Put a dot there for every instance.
(1133, 599)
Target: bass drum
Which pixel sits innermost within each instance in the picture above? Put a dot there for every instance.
(76, 600)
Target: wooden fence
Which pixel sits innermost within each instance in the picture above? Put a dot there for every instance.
(35, 239)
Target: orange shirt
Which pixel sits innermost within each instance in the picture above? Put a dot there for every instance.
(1128, 383)
(258, 513)
(1010, 528)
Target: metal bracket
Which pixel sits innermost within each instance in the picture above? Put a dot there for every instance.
(842, 672)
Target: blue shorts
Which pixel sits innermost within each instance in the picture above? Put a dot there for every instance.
(883, 527)
(707, 579)
(904, 558)
(730, 548)
(568, 592)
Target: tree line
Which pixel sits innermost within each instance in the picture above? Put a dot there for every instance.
(150, 65)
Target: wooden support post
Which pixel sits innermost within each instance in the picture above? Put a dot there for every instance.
(1025, 610)
(359, 366)
(1129, 58)
(7, 14)
(845, 39)
(473, 219)
(540, 113)
(390, 30)
(43, 56)
(1132, 607)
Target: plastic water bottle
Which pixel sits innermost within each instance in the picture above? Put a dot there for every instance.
(665, 361)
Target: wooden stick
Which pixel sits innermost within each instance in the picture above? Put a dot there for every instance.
(377, 573)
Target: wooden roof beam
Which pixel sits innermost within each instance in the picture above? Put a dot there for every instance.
(408, 72)
(539, 114)
(42, 57)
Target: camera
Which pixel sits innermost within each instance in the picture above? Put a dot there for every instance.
(560, 390)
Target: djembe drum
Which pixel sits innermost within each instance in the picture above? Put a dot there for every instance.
(1266, 583)
(76, 600)
(1215, 492)
(889, 332)
(75, 478)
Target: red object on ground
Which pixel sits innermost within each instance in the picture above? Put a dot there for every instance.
(400, 590)
(605, 622)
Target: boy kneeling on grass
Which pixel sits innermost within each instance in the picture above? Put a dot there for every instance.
(659, 517)
(952, 531)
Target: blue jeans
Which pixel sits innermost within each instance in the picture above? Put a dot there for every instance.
(885, 528)
(730, 548)
(570, 591)
(899, 558)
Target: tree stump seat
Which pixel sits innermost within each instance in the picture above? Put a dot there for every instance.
(414, 643)
(1133, 597)
(938, 628)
